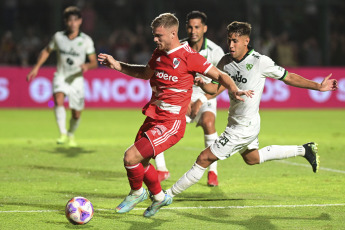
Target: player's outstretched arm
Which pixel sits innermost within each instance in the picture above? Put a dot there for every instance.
(225, 80)
(209, 88)
(301, 82)
(137, 71)
(44, 54)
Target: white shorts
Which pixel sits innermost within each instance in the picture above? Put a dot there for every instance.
(236, 138)
(210, 105)
(74, 90)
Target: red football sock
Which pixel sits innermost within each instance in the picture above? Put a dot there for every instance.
(151, 180)
(135, 174)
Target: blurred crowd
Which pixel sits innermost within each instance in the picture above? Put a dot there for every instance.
(288, 44)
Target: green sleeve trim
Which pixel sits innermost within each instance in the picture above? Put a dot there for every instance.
(284, 76)
(215, 82)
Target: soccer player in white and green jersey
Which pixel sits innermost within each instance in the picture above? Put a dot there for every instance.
(72, 47)
(249, 70)
(203, 106)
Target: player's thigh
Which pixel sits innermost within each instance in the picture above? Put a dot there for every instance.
(234, 139)
(210, 106)
(59, 98)
(164, 135)
(207, 122)
(76, 94)
(251, 154)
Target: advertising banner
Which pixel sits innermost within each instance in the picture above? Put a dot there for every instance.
(105, 88)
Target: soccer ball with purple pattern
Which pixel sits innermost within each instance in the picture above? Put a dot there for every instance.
(79, 210)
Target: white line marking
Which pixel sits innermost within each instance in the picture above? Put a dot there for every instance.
(200, 207)
(308, 166)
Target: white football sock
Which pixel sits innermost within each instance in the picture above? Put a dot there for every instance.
(73, 125)
(60, 116)
(159, 197)
(277, 152)
(209, 139)
(136, 192)
(188, 179)
(160, 162)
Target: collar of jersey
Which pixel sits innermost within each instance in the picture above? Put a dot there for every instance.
(65, 33)
(203, 46)
(250, 50)
(177, 48)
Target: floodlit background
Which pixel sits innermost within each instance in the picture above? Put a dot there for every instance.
(293, 33)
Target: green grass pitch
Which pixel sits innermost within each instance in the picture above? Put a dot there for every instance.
(38, 177)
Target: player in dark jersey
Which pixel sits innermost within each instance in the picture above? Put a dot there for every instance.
(171, 72)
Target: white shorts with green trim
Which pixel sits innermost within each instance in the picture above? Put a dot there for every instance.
(236, 138)
(73, 89)
(208, 106)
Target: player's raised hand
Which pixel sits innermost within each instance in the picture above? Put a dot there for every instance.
(198, 81)
(329, 84)
(32, 74)
(237, 95)
(109, 61)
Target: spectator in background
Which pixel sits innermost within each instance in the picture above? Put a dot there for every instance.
(29, 47)
(120, 43)
(89, 18)
(268, 44)
(286, 51)
(8, 49)
(311, 53)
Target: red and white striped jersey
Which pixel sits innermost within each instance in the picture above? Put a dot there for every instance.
(173, 81)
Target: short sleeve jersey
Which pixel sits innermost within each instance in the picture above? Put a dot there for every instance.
(172, 82)
(250, 74)
(213, 53)
(71, 54)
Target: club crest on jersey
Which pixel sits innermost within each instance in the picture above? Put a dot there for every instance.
(249, 66)
(176, 62)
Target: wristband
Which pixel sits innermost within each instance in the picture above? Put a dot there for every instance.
(203, 98)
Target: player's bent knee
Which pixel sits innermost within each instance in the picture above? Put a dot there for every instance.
(206, 158)
(251, 160)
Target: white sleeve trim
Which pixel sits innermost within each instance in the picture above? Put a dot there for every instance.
(208, 68)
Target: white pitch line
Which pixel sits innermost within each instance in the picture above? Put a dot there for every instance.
(199, 207)
(306, 165)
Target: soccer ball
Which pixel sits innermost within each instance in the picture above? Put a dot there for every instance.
(79, 210)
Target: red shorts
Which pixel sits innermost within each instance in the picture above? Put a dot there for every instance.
(162, 134)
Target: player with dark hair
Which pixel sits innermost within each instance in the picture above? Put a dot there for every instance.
(249, 70)
(171, 71)
(71, 46)
(203, 107)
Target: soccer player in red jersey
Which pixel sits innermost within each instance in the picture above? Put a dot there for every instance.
(171, 71)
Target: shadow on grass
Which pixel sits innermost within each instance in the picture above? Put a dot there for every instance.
(67, 225)
(257, 222)
(137, 222)
(88, 173)
(70, 152)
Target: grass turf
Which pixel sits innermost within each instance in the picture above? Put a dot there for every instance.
(38, 177)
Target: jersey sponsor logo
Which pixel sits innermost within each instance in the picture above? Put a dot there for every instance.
(256, 56)
(238, 77)
(69, 61)
(176, 62)
(165, 76)
(249, 66)
(71, 52)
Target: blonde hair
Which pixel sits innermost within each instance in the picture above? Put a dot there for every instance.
(167, 20)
